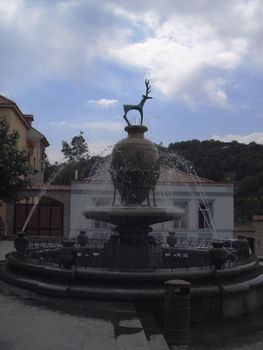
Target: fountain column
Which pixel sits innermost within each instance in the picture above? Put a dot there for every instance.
(134, 171)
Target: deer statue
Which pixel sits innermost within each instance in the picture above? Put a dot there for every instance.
(138, 107)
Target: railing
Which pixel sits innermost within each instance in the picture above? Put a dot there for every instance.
(193, 243)
(185, 254)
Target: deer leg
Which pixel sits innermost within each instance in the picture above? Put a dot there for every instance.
(154, 199)
(141, 112)
(127, 121)
(114, 196)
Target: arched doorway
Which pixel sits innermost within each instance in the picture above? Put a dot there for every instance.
(46, 220)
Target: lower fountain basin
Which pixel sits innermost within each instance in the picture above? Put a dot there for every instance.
(130, 216)
(214, 294)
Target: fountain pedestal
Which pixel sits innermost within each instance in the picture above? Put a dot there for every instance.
(127, 256)
(131, 249)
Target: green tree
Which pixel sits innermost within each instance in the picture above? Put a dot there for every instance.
(77, 158)
(14, 164)
(76, 150)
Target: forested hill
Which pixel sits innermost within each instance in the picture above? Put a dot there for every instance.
(229, 161)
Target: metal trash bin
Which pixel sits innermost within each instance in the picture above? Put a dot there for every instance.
(177, 310)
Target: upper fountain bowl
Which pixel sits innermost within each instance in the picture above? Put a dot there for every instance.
(133, 216)
(135, 166)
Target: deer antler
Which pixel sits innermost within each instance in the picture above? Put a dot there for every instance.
(148, 87)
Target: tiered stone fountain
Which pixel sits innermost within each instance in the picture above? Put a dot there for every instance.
(129, 270)
(134, 172)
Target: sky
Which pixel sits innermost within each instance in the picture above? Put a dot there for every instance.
(74, 63)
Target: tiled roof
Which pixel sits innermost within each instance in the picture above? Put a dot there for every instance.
(50, 188)
(258, 218)
(167, 175)
(172, 175)
(45, 141)
(6, 101)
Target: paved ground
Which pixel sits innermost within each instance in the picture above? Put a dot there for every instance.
(43, 324)
(5, 247)
(32, 322)
(35, 322)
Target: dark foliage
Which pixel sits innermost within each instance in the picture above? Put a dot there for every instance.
(229, 161)
(14, 164)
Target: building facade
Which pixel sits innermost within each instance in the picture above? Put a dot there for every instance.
(208, 206)
(30, 140)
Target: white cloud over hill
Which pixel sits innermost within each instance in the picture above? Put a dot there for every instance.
(253, 137)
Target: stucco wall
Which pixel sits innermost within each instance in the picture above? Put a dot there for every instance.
(16, 124)
(84, 195)
(23, 143)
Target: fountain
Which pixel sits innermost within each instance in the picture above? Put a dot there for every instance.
(134, 171)
(132, 265)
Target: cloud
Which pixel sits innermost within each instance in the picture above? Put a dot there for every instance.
(188, 49)
(105, 125)
(184, 51)
(253, 137)
(53, 40)
(105, 103)
(215, 91)
(99, 125)
(54, 154)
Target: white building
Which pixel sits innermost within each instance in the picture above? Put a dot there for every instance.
(208, 206)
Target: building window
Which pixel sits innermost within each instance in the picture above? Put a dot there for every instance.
(182, 221)
(205, 215)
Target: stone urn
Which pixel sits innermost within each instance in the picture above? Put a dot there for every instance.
(135, 166)
(218, 255)
(82, 238)
(171, 239)
(67, 254)
(21, 243)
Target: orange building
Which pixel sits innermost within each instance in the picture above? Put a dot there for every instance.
(30, 140)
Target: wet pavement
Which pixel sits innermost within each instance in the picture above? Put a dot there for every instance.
(35, 322)
(29, 321)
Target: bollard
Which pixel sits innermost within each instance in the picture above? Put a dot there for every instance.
(21, 243)
(177, 311)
